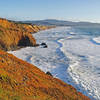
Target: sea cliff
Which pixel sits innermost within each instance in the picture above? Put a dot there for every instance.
(14, 35)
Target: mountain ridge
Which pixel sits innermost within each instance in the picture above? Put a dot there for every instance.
(60, 22)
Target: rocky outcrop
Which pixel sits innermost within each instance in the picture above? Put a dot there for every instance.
(20, 80)
(14, 35)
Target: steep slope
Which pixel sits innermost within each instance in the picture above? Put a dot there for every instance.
(20, 80)
(13, 34)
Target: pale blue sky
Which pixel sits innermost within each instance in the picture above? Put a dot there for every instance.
(86, 10)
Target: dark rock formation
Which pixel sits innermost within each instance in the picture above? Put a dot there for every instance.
(48, 73)
(44, 45)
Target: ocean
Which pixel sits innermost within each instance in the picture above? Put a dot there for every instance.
(72, 55)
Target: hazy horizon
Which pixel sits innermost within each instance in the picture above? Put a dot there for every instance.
(68, 10)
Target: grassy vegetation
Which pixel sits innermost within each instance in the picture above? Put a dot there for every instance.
(20, 80)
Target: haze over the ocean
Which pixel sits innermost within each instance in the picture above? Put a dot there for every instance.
(75, 10)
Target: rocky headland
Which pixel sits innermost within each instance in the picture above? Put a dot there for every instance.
(14, 35)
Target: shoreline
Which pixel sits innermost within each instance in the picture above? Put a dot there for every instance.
(47, 62)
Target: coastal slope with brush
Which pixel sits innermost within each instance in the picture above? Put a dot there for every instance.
(14, 35)
(20, 80)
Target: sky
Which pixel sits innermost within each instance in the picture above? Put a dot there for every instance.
(75, 10)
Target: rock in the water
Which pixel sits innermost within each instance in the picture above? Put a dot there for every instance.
(48, 73)
(44, 45)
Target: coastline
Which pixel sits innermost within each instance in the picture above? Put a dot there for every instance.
(58, 65)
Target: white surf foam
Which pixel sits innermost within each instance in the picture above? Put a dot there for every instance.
(97, 39)
(73, 59)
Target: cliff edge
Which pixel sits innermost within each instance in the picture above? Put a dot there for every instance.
(14, 35)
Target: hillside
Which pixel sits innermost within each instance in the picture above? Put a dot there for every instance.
(14, 35)
(20, 80)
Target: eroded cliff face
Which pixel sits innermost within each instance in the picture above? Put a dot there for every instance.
(13, 35)
(20, 80)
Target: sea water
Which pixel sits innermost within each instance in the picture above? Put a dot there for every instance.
(72, 55)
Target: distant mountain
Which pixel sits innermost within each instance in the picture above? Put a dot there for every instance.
(61, 23)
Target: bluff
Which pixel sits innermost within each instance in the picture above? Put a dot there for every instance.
(14, 35)
(20, 80)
